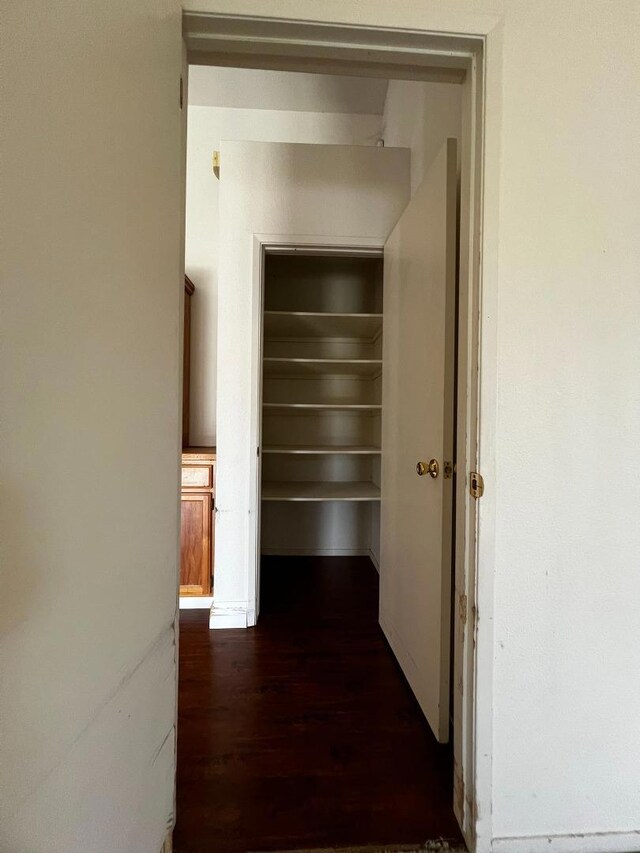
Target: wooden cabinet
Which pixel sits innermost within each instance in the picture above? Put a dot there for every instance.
(197, 488)
(195, 544)
(197, 521)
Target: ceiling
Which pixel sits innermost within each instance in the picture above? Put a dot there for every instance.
(250, 88)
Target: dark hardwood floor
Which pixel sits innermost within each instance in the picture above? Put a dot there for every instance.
(302, 732)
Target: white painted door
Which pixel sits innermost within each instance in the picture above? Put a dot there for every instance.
(417, 426)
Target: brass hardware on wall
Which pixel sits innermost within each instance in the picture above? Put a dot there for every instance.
(447, 471)
(432, 468)
(476, 484)
(216, 164)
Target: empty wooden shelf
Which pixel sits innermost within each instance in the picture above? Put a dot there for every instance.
(326, 449)
(322, 366)
(325, 491)
(299, 324)
(337, 407)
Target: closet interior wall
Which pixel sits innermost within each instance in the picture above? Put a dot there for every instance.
(321, 404)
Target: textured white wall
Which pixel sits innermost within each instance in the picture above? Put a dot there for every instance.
(207, 126)
(421, 116)
(558, 727)
(257, 89)
(90, 424)
(567, 585)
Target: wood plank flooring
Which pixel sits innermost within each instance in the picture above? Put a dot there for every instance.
(302, 732)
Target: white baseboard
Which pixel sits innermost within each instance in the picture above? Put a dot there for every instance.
(231, 614)
(196, 602)
(595, 842)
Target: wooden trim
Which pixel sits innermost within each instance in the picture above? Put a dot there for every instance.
(191, 589)
(191, 455)
(186, 360)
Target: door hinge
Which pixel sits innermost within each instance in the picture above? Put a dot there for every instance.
(215, 162)
(476, 484)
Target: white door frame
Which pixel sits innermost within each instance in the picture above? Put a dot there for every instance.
(452, 41)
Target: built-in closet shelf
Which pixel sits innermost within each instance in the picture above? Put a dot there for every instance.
(325, 491)
(323, 450)
(306, 324)
(321, 404)
(322, 367)
(326, 407)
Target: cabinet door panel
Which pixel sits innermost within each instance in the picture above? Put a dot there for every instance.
(197, 476)
(195, 544)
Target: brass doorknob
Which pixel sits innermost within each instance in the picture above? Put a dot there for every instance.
(432, 468)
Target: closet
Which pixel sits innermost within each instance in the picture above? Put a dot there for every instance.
(321, 404)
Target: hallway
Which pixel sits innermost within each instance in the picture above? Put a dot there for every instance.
(302, 732)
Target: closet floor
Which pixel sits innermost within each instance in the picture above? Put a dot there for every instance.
(302, 732)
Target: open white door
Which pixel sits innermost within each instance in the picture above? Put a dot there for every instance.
(417, 427)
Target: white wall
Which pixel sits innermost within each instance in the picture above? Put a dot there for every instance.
(258, 89)
(558, 738)
(421, 116)
(296, 191)
(90, 425)
(567, 583)
(207, 126)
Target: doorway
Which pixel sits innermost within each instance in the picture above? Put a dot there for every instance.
(464, 519)
(321, 395)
